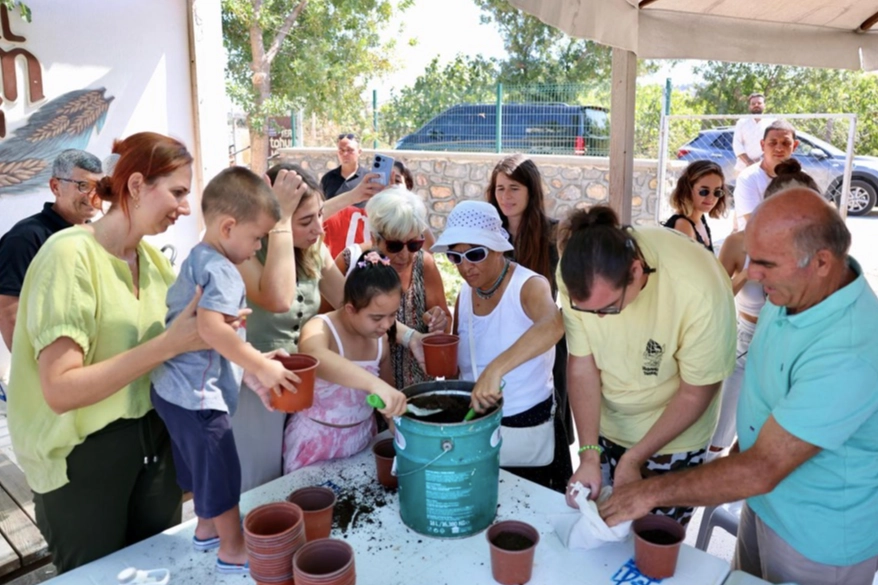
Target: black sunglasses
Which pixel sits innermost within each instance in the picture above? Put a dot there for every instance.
(613, 309)
(349, 136)
(395, 246)
(718, 193)
(473, 255)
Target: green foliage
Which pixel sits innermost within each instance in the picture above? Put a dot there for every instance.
(795, 90)
(23, 8)
(648, 106)
(542, 65)
(451, 278)
(539, 53)
(322, 66)
(464, 80)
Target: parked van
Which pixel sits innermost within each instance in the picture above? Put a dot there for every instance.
(540, 128)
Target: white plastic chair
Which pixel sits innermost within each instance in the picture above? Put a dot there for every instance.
(725, 516)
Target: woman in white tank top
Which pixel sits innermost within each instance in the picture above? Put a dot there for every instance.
(505, 316)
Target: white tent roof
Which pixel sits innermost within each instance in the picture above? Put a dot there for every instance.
(816, 33)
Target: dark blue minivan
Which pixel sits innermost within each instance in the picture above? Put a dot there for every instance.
(540, 128)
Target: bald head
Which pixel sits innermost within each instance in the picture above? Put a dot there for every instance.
(810, 222)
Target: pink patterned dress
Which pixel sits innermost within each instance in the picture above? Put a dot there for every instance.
(338, 424)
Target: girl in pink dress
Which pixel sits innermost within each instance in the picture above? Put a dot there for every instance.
(351, 344)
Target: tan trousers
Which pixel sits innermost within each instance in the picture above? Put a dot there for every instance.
(762, 553)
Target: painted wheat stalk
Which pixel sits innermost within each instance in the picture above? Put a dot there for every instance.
(19, 171)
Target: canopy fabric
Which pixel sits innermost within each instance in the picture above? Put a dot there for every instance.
(813, 33)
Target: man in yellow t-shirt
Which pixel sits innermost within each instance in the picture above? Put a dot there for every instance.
(650, 323)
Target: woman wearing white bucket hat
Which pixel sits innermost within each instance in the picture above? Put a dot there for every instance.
(507, 323)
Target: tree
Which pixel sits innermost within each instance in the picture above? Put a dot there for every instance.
(795, 90)
(314, 55)
(464, 80)
(539, 53)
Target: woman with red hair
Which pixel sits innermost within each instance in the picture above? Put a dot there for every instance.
(91, 328)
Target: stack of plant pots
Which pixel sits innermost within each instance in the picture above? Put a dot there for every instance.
(273, 533)
(325, 562)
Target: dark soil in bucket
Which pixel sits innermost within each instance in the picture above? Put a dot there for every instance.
(512, 541)
(454, 408)
(658, 537)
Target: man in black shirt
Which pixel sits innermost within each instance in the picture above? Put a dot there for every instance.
(75, 174)
(349, 173)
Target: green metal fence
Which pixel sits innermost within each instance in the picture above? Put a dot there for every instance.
(535, 119)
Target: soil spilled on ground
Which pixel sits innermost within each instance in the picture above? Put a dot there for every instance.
(355, 507)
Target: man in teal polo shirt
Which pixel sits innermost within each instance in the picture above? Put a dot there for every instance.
(808, 412)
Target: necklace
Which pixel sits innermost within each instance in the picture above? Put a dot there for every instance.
(489, 292)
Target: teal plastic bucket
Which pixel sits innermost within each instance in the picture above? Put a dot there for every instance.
(448, 472)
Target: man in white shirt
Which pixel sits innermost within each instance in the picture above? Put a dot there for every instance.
(777, 146)
(749, 133)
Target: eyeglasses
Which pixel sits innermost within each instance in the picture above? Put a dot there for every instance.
(613, 309)
(718, 193)
(395, 246)
(84, 187)
(473, 255)
(349, 136)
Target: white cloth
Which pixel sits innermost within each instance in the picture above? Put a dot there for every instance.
(531, 382)
(748, 139)
(586, 529)
(749, 191)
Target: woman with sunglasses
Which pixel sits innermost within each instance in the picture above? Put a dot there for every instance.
(398, 222)
(700, 192)
(505, 317)
(650, 326)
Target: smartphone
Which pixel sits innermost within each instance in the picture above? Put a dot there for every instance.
(383, 165)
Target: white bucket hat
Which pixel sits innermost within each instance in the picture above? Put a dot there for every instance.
(476, 223)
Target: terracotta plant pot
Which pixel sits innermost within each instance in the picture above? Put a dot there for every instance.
(325, 562)
(272, 534)
(513, 544)
(440, 355)
(304, 366)
(657, 542)
(384, 453)
(317, 504)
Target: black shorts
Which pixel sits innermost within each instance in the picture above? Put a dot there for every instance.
(204, 454)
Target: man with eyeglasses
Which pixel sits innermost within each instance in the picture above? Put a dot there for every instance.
(75, 174)
(650, 323)
(807, 415)
(349, 173)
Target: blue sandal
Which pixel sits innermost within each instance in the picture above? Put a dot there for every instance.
(206, 544)
(231, 568)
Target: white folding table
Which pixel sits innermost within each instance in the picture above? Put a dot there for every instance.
(389, 553)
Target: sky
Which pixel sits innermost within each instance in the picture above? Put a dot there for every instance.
(441, 27)
(445, 28)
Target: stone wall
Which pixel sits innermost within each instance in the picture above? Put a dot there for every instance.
(444, 178)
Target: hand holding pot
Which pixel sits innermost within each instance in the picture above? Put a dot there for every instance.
(436, 320)
(264, 392)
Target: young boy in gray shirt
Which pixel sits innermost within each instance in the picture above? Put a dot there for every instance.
(196, 393)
